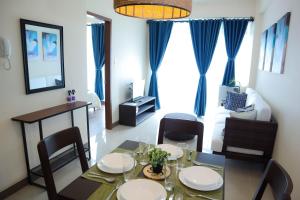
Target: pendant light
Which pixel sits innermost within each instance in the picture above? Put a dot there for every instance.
(154, 9)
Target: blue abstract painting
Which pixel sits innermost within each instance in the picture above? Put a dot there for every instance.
(262, 50)
(270, 48)
(282, 32)
(32, 44)
(49, 46)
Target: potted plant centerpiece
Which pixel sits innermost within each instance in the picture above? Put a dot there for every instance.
(157, 159)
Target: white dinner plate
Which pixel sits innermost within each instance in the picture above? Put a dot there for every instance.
(141, 189)
(201, 178)
(176, 152)
(116, 163)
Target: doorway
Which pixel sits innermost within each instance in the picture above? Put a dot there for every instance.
(107, 94)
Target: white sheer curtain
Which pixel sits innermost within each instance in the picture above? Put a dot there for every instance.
(178, 75)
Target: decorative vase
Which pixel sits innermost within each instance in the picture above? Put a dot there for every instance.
(157, 169)
(69, 99)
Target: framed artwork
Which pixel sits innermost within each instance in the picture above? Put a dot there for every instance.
(32, 44)
(43, 58)
(282, 31)
(270, 44)
(262, 50)
(49, 46)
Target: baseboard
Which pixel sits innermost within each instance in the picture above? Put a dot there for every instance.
(14, 188)
(115, 124)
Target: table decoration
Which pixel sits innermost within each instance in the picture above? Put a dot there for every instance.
(157, 159)
(148, 172)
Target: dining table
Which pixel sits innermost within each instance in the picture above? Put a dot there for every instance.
(86, 187)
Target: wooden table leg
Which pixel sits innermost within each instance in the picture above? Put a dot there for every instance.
(72, 122)
(26, 153)
(88, 130)
(41, 130)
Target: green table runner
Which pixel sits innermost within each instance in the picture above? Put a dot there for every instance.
(106, 188)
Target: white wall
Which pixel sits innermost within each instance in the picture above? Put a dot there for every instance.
(129, 51)
(282, 91)
(223, 8)
(13, 100)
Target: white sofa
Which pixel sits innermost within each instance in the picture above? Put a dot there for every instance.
(263, 118)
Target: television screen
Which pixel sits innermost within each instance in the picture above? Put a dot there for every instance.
(137, 88)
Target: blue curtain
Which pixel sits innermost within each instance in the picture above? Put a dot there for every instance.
(98, 35)
(204, 37)
(159, 34)
(234, 30)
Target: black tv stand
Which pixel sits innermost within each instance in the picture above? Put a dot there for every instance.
(131, 113)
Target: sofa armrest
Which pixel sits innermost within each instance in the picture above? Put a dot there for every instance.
(250, 134)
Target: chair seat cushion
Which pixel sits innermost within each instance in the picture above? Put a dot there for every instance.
(175, 135)
(178, 136)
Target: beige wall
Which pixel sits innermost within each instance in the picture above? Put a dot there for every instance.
(129, 52)
(14, 101)
(282, 91)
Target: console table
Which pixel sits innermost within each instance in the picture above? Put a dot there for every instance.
(131, 113)
(65, 157)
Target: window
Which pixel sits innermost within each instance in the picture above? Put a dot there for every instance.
(178, 74)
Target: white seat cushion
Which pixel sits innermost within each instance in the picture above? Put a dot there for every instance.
(250, 115)
(218, 137)
(262, 108)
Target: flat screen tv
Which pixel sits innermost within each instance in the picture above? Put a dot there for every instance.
(137, 89)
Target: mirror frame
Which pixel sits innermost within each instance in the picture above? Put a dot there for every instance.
(23, 23)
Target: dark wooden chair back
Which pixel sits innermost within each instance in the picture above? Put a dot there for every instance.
(182, 127)
(52, 144)
(279, 181)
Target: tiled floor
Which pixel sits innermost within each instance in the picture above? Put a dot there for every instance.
(241, 177)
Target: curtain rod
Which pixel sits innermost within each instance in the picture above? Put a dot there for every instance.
(251, 19)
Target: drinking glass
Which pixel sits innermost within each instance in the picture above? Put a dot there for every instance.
(128, 174)
(181, 161)
(144, 158)
(171, 180)
(178, 196)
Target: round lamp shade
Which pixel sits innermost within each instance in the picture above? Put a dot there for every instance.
(154, 9)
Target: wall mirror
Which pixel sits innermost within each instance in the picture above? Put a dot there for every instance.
(42, 46)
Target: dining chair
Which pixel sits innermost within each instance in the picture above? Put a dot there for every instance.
(181, 126)
(279, 181)
(51, 144)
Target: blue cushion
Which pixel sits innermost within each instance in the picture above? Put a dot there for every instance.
(235, 100)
